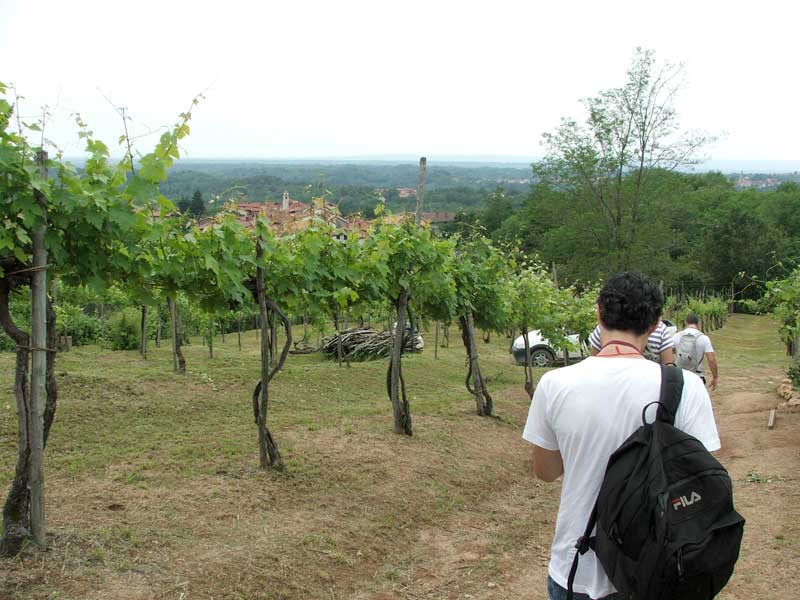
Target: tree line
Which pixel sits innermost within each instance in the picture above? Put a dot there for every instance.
(699, 233)
(616, 192)
(353, 188)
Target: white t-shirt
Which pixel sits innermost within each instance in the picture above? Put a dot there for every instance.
(586, 411)
(703, 344)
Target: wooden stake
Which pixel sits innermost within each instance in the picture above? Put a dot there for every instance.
(771, 420)
(143, 340)
(171, 308)
(402, 420)
(211, 338)
(158, 328)
(38, 365)
(263, 453)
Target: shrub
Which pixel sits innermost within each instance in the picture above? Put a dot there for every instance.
(794, 374)
(84, 329)
(6, 343)
(122, 331)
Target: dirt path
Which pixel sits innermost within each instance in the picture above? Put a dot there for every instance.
(501, 549)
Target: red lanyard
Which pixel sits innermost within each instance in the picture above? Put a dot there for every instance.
(620, 343)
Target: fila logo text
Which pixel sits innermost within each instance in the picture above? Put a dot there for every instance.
(683, 501)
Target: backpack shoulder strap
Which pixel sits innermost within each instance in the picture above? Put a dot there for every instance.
(671, 391)
(585, 543)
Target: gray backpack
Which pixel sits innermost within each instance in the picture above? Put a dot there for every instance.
(687, 353)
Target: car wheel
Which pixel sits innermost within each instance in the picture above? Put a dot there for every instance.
(542, 358)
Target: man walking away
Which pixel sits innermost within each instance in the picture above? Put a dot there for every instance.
(691, 347)
(659, 346)
(582, 413)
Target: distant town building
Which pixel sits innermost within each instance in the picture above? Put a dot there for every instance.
(290, 215)
(406, 192)
(286, 216)
(745, 182)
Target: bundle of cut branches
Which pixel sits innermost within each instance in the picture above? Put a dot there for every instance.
(361, 344)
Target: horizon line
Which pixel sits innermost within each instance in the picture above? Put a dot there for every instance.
(712, 164)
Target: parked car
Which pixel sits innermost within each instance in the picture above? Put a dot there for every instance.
(419, 343)
(542, 352)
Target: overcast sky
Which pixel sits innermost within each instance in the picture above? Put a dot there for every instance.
(298, 78)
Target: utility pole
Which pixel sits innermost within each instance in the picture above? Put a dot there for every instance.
(420, 190)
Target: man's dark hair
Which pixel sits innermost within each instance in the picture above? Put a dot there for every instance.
(691, 319)
(630, 302)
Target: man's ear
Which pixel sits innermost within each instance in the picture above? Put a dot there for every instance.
(597, 311)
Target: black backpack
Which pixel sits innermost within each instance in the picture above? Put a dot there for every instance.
(666, 527)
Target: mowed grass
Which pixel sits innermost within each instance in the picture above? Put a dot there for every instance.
(753, 342)
(144, 466)
(117, 407)
(154, 490)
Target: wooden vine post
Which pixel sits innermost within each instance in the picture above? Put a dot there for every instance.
(483, 401)
(528, 371)
(158, 327)
(178, 361)
(210, 336)
(263, 450)
(397, 388)
(268, 453)
(143, 340)
(338, 325)
(38, 364)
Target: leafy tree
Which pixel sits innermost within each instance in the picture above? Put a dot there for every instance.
(480, 272)
(414, 267)
(608, 167)
(184, 205)
(197, 206)
(498, 207)
(738, 242)
(534, 301)
(781, 212)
